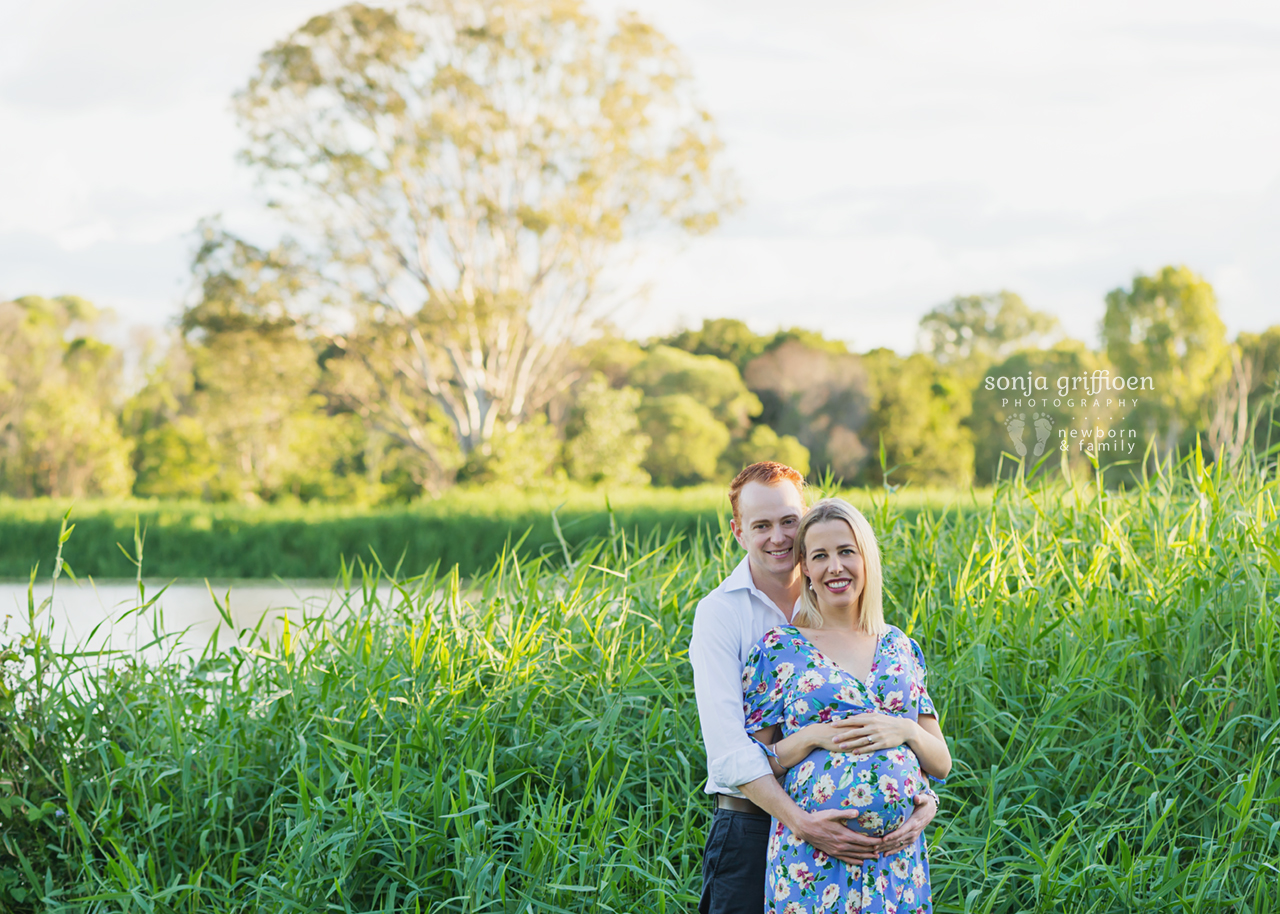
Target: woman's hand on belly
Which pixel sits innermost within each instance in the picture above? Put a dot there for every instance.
(822, 736)
(871, 732)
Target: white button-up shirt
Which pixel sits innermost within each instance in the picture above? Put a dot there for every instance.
(726, 625)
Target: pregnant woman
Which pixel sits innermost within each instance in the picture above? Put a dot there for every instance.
(838, 698)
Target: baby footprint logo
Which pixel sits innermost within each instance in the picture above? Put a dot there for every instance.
(1015, 425)
(1043, 424)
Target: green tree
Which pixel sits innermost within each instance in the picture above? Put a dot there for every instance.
(609, 354)
(59, 429)
(732, 340)
(236, 412)
(813, 339)
(763, 443)
(972, 332)
(686, 439)
(725, 338)
(711, 381)
(694, 406)
(1166, 327)
(72, 446)
(524, 456)
(472, 166)
(917, 409)
(603, 443)
(176, 459)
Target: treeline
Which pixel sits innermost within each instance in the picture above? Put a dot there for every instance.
(252, 403)
(431, 324)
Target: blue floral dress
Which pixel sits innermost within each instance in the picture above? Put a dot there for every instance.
(788, 681)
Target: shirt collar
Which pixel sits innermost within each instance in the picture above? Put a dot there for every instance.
(740, 577)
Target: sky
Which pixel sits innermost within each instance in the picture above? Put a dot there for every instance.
(890, 155)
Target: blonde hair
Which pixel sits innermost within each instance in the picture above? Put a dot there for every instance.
(871, 600)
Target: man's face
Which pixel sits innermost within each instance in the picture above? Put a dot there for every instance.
(770, 516)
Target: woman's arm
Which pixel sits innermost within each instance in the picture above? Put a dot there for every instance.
(931, 747)
(870, 732)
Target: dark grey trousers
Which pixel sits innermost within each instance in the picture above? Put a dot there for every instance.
(733, 865)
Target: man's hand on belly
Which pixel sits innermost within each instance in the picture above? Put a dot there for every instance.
(825, 830)
(905, 836)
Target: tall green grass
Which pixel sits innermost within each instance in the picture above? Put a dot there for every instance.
(527, 741)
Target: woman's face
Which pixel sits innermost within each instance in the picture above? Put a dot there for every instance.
(833, 565)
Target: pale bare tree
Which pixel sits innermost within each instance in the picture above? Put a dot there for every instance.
(471, 167)
(1229, 430)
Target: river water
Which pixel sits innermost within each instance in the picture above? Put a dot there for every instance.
(90, 615)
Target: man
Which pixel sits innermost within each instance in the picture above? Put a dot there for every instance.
(767, 501)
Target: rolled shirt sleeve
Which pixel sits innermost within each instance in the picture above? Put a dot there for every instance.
(717, 652)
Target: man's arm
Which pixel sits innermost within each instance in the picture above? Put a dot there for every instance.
(733, 757)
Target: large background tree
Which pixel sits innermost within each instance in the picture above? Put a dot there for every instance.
(469, 168)
(725, 338)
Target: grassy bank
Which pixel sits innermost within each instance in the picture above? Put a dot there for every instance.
(467, 528)
(1104, 665)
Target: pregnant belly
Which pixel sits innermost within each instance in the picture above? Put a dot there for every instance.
(876, 789)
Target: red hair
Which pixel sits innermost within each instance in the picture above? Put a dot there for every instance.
(769, 472)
